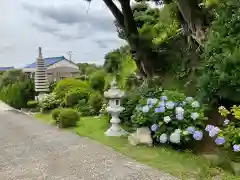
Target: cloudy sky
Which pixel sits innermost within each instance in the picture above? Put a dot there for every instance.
(58, 26)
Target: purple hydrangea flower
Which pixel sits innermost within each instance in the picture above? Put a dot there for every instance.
(190, 129)
(226, 122)
(214, 131)
(164, 98)
(198, 135)
(236, 148)
(154, 127)
(160, 109)
(209, 128)
(220, 140)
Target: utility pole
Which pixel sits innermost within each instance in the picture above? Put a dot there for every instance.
(70, 55)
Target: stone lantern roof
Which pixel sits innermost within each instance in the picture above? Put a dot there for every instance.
(114, 92)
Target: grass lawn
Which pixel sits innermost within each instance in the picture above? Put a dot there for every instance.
(180, 164)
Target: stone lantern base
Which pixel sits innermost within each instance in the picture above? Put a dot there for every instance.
(116, 130)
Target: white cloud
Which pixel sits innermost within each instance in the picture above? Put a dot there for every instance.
(58, 26)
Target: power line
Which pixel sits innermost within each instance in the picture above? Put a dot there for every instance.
(70, 55)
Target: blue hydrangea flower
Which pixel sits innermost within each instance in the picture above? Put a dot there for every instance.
(194, 115)
(160, 109)
(145, 109)
(164, 98)
(209, 127)
(190, 129)
(163, 138)
(195, 104)
(161, 103)
(170, 105)
(236, 148)
(220, 140)
(154, 127)
(226, 122)
(198, 135)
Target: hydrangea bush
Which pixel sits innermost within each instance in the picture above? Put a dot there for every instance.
(49, 101)
(173, 117)
(228, 136)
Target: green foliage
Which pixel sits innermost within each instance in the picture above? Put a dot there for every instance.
(97, 80)
(67, 84)
(87, 69)
(84, 108)
(49, 102)
(17, 94)
(129, 102)
(220, 77)
(52, 85)
(11, 77)
(12, 94)
(32, 104)
(74, 95)
(68, 118)
(112, 63)
(96, 101)
(56, 113)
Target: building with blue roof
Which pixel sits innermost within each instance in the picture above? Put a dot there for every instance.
(2, 69)
(57, 68)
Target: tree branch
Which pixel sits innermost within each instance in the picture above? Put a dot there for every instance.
(130, 27)
(115, 11)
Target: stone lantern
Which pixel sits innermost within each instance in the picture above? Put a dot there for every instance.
(40, 80)
(114, 95)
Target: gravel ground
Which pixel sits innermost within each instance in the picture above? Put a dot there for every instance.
(31, 150)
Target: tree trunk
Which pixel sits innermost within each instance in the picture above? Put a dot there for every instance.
(192, 14)
(126, 21)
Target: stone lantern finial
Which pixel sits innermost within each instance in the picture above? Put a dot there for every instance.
(39, 52)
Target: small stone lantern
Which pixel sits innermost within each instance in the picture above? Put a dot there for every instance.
(114, 109)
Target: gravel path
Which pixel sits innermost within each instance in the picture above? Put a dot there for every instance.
(31, 150)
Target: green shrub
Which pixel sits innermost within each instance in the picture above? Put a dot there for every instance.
(65, 85)
(11, 77)
(97, 80)
(32, 104)
(68, 118)
(84, 108)
(56, 113)
(49, 102)
(13, 95)
(219, 82)
(129, 102)
(74, 95)
(96, 101)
